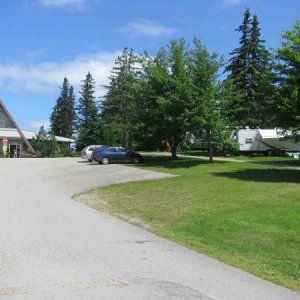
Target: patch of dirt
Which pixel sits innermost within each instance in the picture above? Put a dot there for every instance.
(94, 201)
(133, 220)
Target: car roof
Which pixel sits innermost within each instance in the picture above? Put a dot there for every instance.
(95, 146)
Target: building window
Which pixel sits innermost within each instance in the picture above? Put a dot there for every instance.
(2, 123)
(248, 141)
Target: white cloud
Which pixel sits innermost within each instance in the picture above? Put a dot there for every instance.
(47, 77)
(146, 27)
(35, 125)
(63, 3)
(232, 2)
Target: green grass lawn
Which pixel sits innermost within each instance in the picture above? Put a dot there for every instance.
(247, 215)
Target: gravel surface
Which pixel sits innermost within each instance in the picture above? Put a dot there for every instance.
(52, 247)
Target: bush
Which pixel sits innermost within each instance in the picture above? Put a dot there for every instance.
(230, 147)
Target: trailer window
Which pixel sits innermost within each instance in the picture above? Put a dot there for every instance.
(248, 141)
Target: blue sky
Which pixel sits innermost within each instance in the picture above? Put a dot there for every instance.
(44, 40)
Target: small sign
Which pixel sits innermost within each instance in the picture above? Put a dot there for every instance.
(4, 145)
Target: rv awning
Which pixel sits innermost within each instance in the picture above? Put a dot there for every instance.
(270, 134)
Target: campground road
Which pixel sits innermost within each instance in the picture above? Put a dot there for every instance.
(52, 247)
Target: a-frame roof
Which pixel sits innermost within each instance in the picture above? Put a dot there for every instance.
(17, 127)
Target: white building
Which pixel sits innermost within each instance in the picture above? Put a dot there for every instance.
(16, 140)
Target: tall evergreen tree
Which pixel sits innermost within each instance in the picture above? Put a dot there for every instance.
(70, 113)
(57, 118)
(119, 102)
(250, 73)
(260, 78)
(238, 63)
(63, 114)
(88, 132)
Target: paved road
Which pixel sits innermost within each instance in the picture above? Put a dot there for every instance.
(52, 247)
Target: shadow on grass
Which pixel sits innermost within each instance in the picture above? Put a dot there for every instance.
(202, 153)
(169, 163)
(289, 163)
(263, 175)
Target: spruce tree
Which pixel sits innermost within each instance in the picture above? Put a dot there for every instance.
(70, 113)
(87, 117)
(260, 78)
(236, 110)
(238, 64)
(63, 114)
(57, 118)
(250, 75)
(119, 101)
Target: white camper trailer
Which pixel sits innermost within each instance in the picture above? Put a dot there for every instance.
(268, 141)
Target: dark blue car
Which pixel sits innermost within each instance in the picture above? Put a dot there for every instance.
(115, 155)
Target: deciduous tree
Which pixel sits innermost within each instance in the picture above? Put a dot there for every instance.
(206, 97)
(171, 85)
(288, 104)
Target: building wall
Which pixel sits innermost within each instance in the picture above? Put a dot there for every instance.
(4, 120)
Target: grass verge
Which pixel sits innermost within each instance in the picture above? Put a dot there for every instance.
(246, 215)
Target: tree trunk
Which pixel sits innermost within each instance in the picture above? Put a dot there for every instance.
(211, 151)
(125, 139)
(174, 151)
(210, 146)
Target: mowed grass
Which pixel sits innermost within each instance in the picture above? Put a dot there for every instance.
(246, 215)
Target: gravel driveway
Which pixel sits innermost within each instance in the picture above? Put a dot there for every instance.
(52, 247)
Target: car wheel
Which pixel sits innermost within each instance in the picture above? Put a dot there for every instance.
(136, 160)
(90, 160)
(105, 161)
